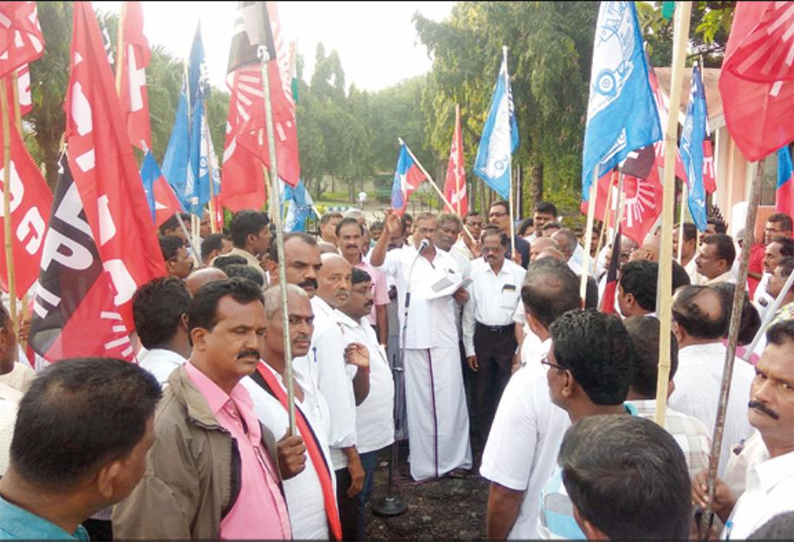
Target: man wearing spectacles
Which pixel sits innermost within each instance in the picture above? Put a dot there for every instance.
(499, 215)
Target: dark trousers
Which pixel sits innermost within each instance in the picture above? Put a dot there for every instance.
(494, 351)
(99, 529)
(353, 511)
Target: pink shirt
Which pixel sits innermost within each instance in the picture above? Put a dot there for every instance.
(260, 511)
(380, 289)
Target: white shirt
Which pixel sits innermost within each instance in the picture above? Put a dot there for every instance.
(769, 491)
(461, 247)
(494, 298)
(161, 363)
(20, 377)
(374, 417)
(697, 391)
(761, 299)
(727, 276)
(333, 379)
(531, 341)
(431, 322)
(692, 270)
(522, 447)
(303, 492)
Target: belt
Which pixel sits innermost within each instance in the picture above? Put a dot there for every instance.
(509, 328)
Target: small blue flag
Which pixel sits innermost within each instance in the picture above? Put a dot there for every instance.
(407, 178)
(692, 136)
(300, 206)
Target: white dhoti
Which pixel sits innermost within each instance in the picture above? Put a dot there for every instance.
(438, 421)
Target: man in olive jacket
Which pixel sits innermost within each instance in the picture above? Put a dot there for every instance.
(214, 471)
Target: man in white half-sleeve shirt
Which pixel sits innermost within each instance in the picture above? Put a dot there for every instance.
(522, 446)
(438, 422)
(159, 309)
(310, 495)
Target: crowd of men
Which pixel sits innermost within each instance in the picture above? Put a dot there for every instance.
(480, 341)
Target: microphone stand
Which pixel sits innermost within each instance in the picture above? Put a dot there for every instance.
(392, 505)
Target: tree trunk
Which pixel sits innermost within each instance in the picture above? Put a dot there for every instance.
(537, 183)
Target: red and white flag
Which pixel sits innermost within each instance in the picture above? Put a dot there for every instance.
(455, 186)
(246, 148)
(134, 60)
(23, 89)
(21, 40)
(757, 78)
(104, 169)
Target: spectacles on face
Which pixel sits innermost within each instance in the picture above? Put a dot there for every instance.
(545, 361)
(496, 215)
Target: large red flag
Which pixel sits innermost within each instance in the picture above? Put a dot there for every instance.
(23, 90)
(21, 40)
(455, 187)
(103, 165)
(246, 147)
(134, 93)
(757, 78)
(30, 204)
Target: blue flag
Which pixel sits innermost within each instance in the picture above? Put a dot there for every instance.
(692, 136)
(175, 161)
(621, 112)
(149, 174)
(499, 138)
(300, 206)
(197, 189)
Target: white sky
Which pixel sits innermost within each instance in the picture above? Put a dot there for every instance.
(376, 41)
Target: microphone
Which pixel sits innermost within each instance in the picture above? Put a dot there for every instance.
(423, 245)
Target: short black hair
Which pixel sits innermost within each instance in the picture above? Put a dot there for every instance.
(170, 245)
(173, 222)
(719, 225)
(639, 279)
(628, 477)
(525, 225)
(345, 221)
(546, 208)
(222, 262)
(786, 245)
(680, 276)
(203, 309)
(157, 309)
(473, 213)
(723, 244)
(303, 236)
(245, 223)
(376, 225)
(327, 217)
(359, 276)
(213, 241)
(550, 289)
(693, 320)
(780, 332)
(502, 203)
(494, 231)
(786, 266)
(750, 321)
(552, 226)
(598, 351)
(645, 331)
(781, 218)
(244, 271)
(79, 414)
(690, 231)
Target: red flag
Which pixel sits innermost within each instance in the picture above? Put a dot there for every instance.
(246, 147)
(166, 204)
(134, 93)
(757, 78)
(661, 108)
(21, 40)
(611, 288)
(709, 175)
(30, 203)
(103, 165)
(23, 90)
(455, 187)
(217, 217)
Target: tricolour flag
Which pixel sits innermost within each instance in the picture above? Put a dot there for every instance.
(407, 178)
(692, 137)
(21, 40)
(757, 78)
(134, 92)
(621, 112)
(455, 186)
(499, 138)
(784, 196)
(162, 201)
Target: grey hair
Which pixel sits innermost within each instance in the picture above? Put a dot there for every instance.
(354, 213)
(570, 240)
(273, 298)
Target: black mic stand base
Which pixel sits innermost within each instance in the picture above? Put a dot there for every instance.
(389, 506)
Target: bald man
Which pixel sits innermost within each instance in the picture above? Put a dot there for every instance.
(539, 245)
(203, 276)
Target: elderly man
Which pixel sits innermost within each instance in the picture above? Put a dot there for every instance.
(438, 423)
(310, 495)
(770, 474)
(777, 249)
(80, 443)
(700, 321)
(213, 471)
(567, 243)
(716, 259)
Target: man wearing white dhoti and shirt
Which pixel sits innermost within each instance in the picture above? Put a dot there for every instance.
(438, 423)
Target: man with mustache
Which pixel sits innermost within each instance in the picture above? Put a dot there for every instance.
(489, 331)
(310, 495)
(770, 473)
(214, 471)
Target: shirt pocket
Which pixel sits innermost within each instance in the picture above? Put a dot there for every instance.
(508, 297)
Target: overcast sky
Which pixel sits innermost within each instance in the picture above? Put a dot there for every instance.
(376, 41)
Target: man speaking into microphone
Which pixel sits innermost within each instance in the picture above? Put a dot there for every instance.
(438, 422)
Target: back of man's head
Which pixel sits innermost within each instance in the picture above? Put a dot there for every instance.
(77, 416)
(222, 262)
(170, 245)
(627, 478)
(750, 321)
(245, 272)
(719, 225)
(567, 241)
(157, 309)
(211, 243)
(701, 312)
(639, 279)
(550, 289)
(645, 332)
(246, 223)
(598, 351)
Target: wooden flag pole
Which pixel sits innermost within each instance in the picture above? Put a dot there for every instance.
(433, 183)
(18, 125)
(7, 230)
(733, 336)
(588, 237)
(607, 215)
(211, 173)
(120, 47)
(681, 33)
(510, 169)
(460, 153)
(264, 57)
(684, 198)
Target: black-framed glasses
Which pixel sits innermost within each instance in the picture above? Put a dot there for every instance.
(545, 361)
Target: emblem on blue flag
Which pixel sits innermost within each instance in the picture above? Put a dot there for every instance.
(692, 136)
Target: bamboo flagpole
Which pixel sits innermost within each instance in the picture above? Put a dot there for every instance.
(18, 125)
(510, 169)
(120, 47)
(460, 153)
(680, 35)
(684, 198)
(588, 237)
(7, 230)
(264, 57)
(607, 216)
(211, 173)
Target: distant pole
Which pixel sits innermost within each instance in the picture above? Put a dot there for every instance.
(120, 47)
(7, 229)
(460, 153)
(588, 236)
